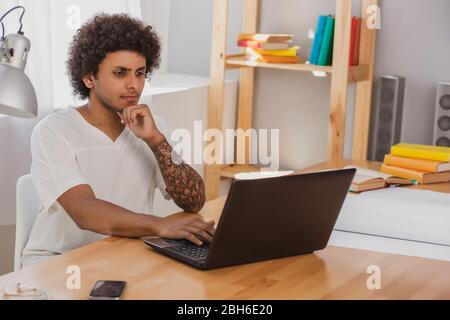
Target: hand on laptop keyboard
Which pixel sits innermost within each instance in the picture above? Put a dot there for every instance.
(191, 227)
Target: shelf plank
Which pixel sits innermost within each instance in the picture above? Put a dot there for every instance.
(355, 73)
(229, 172)
(240, 60)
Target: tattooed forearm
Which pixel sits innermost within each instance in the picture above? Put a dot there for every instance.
(183, 183)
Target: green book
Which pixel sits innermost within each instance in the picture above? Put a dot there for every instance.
(326, 49)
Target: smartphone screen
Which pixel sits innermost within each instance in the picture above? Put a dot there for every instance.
(104, 289)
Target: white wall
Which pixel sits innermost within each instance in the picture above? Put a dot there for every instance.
(191, 33)
(413, 43)
(157, 14)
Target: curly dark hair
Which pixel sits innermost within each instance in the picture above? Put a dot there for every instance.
(105, 33)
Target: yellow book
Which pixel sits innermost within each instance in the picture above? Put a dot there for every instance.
(419, 151)
(290, 52)
(268, 37)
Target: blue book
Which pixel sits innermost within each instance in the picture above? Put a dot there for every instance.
(314, 56)
(326, 48)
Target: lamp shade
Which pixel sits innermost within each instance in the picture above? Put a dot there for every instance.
(17, 95)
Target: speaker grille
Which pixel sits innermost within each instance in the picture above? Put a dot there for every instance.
(443, 142)
(444, 102)
(444, 123)
(387, 94)
(441, 131)
(386, 117)
(384, 136)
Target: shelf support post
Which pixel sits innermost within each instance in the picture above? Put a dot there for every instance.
(216, 89)
(244, 113)
(339, 79)
(363, 97)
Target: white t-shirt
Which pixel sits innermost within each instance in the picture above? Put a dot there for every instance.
(68, 151)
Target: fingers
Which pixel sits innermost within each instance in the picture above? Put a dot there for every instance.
(129, 115)
(201, 234)
(135, 112)
(126, 113)
(192, 228)
(200, 231)
(192, 238)
(125, 116)
(206, 226)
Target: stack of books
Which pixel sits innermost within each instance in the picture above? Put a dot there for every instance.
(271, 48)
(322, 48)
(423, 163)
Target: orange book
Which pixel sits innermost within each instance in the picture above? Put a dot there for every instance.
(416, 164)
(419, 176)
(276, 59)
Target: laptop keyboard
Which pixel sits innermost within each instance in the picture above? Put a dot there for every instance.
(192, 250)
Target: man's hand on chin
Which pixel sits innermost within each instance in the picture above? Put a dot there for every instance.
(141, 122)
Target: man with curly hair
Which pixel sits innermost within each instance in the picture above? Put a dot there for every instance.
(96, 167)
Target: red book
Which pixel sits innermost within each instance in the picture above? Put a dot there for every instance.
(357, 42)
(354, 41)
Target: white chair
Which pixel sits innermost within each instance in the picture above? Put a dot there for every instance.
(27, 206)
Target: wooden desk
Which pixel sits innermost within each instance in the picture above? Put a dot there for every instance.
(333, 273)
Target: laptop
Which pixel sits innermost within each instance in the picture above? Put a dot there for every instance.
(267, 219)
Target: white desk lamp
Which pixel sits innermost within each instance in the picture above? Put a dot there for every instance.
(17, 95)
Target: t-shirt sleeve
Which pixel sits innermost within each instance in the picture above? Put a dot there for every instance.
(54, 169)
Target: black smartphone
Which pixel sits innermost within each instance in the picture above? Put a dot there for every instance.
(107, 290)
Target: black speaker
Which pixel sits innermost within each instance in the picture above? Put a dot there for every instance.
(441, 136)
(386, 116)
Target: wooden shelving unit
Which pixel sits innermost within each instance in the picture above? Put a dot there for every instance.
(340, 72)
